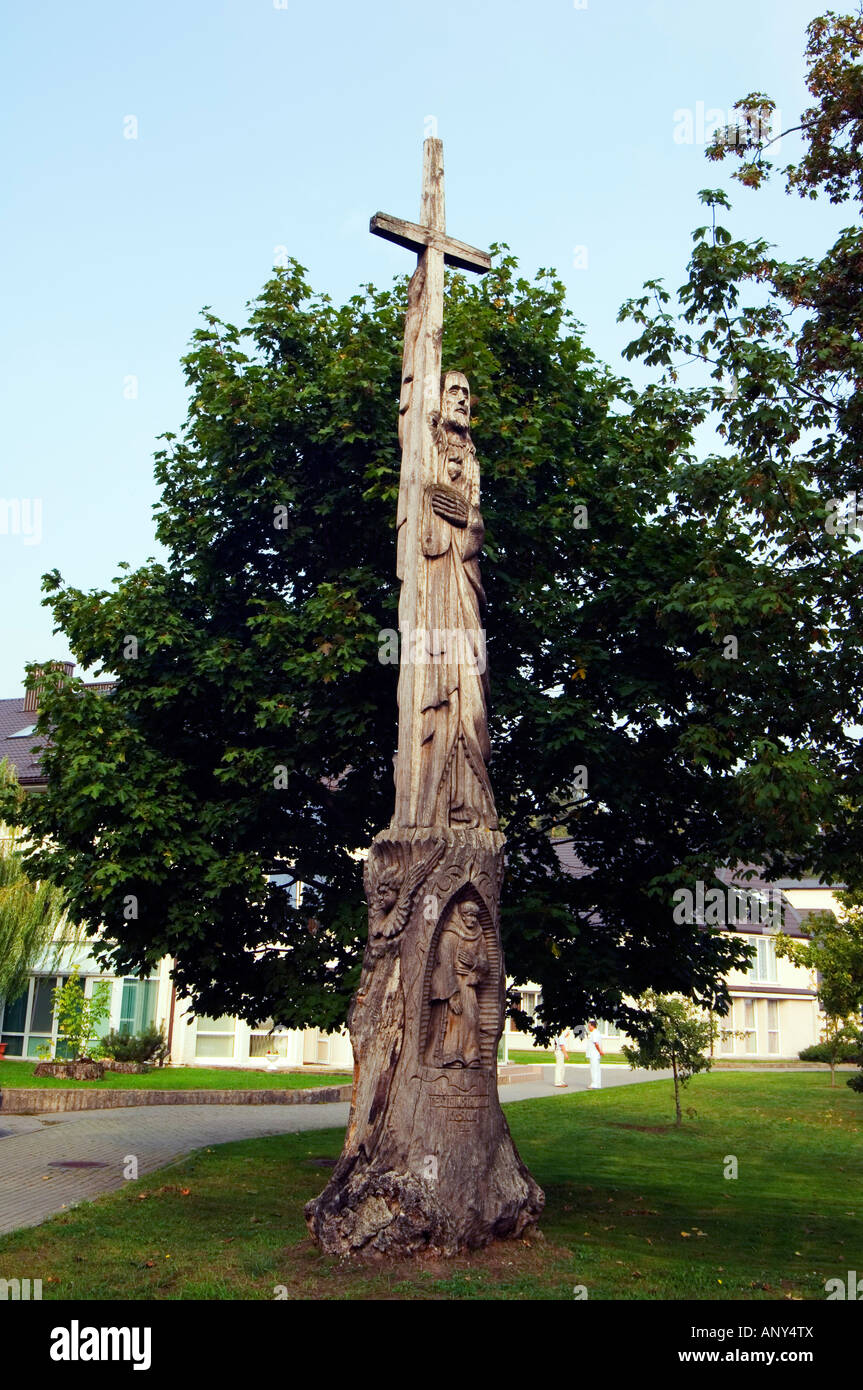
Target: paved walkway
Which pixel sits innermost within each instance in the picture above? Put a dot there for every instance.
(32, 1188)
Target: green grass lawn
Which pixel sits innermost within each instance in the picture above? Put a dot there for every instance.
(636, 1209)
(525, 1058)
(176, 1079)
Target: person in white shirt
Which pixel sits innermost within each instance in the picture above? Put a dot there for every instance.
(594, 1053)
(560, 1060)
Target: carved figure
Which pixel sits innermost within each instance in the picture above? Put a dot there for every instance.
(461, 964)
(454, 747)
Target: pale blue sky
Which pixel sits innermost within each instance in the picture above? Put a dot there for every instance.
(261, 127)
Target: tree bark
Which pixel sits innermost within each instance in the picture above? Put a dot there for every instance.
(428, 1162)
(79, 1070)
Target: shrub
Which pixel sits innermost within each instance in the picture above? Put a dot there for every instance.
(822, 1052)
(147, 1046)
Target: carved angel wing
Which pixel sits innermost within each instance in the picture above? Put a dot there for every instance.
(412, 880)
(421, 870)
(369, 878)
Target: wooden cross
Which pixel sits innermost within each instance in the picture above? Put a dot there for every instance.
(419, 407)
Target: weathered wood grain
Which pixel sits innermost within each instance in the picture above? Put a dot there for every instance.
(414, 237)
(428, 1161)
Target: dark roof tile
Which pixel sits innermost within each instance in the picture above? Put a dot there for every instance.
(13, 719)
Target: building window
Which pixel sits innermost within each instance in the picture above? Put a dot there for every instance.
(726, 1032)
(749, 1027)
(30, 1023)
(763, 968)
(215, 1037)
(529, 1001)
(266, 1039)
(42, 1014)
(15, 1023)
(772, 1025)
(138, 1005)
(608, 1030)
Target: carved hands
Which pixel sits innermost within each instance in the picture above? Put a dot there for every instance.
(449, 504)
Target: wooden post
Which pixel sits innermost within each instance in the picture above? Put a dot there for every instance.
(428, 1161)
(423, 369)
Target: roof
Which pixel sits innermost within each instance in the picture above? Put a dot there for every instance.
(795, 884)
(23, 753)
(569, 860)
(792, 919)
(13, 720)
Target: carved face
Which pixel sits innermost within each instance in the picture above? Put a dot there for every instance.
(455, 403)
(385, 895)
(469, 913)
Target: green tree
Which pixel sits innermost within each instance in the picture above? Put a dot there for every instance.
(667, 634)
(834, 949)
(79, 1019)
(251, 728)
(32, 913)
(672, 1034)
(780, 348)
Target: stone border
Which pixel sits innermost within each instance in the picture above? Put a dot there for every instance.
(18, 1100)
(22, 1100)
(513, 1072)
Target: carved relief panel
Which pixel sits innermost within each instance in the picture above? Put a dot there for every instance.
(460, 1019)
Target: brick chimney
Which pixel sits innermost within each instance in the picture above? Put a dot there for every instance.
(32, 694)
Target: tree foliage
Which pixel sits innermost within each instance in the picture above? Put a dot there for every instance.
(251, 729)
(672, 1034)
(834, 951)
(79, 1019)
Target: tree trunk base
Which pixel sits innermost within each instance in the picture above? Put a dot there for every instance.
(428, 1162)
(71, 1071)
(399, 1214)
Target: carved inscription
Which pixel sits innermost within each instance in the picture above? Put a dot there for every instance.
(460, 1109)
